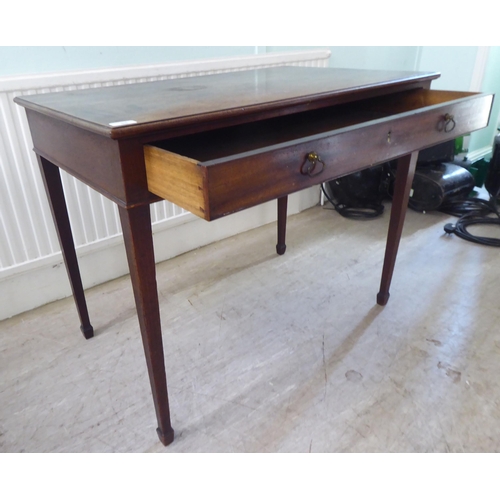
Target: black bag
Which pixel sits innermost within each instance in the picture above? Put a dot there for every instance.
(437, 185)
(360, 195)
(437, 181)
(492, 182)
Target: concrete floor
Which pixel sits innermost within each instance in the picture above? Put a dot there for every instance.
(274, 354)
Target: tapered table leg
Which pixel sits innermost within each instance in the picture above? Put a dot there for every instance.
(282, 208)
(136, 225)
(53, 186)
(404, 179)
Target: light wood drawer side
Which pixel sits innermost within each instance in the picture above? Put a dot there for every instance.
(177, 179)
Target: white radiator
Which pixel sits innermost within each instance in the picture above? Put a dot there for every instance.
(27, 237)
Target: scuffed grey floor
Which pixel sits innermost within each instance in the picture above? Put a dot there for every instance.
(274, 354)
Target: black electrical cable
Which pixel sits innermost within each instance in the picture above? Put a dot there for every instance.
(473, 212)
(459, 208)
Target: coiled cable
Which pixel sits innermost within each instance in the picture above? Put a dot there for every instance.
(473, 212)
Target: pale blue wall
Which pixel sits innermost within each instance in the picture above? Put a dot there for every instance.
(491, 84)
(361, 57)
(389, 58)
(456, 64)
(31, 60)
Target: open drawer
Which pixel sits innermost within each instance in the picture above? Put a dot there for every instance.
(221, 171)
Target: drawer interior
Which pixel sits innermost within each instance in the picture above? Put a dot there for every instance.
(223, 142)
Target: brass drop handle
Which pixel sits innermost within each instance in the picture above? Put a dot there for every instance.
(447, 123)
(310, 164)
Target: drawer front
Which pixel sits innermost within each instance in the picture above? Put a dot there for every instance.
(226, 185)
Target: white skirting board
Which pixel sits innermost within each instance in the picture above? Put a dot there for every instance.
(31, 268)
(106, 261)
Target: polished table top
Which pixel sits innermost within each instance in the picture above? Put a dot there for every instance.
(127, 110)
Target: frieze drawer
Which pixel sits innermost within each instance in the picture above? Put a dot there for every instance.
(222, 171)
